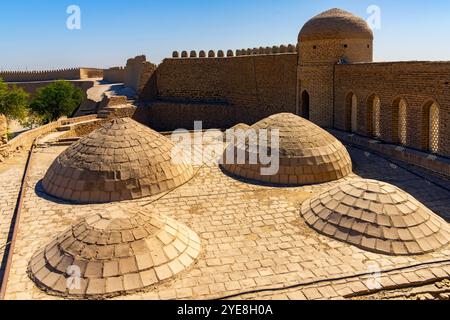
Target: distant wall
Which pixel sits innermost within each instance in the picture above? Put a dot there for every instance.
(255, 85)
(418, 83)
(32, 87)
(89, 73)
(114, 75)
(51, 75)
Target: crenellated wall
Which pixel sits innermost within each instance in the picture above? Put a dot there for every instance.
(254, 85)
(51, 75)
(419, 83)
(290, 48)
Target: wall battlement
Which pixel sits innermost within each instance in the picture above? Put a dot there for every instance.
(50, 75)
(235, 53)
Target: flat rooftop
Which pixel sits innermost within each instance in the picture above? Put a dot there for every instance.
(255, 244)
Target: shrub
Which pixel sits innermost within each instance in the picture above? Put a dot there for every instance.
(58, 99)
(13, 101)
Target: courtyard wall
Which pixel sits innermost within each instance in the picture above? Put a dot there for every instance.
(419, 83)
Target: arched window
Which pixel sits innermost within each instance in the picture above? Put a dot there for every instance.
(431, 127)
(354, 113)
(305, 105)
(373, 116)
(402, 122)
(434, 128)
(376, 117)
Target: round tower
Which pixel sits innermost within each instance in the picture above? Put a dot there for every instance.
(332, 37)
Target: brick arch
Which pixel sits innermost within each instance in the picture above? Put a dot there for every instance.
(399, 120)
(305, 110)
(373, 120)
(430, 126)
(351, 112)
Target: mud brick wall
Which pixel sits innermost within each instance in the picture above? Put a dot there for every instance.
(419, 83)
(138, 71)
(255, 86)
(168, 116)
(114, 75)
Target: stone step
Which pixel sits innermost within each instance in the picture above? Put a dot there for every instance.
(64, 128)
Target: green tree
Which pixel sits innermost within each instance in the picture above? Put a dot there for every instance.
(13, 101)
(58, 99)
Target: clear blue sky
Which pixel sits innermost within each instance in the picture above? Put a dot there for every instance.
(34, 33)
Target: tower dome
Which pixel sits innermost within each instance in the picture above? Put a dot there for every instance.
(335, 24)
(377, 217)
(115, 250)
(123, 160)
(308, 154)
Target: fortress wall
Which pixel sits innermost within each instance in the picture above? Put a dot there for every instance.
(89, 73)
(114, 75)
(49, 75)
(419, 83)
(168, 116)
(138, 71)
(32, 87)
(255, 85)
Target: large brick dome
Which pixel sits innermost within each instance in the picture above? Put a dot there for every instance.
(114, 250)
(335, 24)
(123, 160)
(378, 217)
(308, 154)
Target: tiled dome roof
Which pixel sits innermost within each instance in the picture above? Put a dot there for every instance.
(115, 250)
(378, 217)
(308, 154)
(123, 160)
(335, 24)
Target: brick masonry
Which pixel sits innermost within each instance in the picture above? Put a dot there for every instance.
(419, 83)
(256, 86)
(263, 83)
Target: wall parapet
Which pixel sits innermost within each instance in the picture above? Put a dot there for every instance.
(235, 53)
(51, 75)
(25, 139)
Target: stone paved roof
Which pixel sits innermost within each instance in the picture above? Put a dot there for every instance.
(308, 154)
(118, 250)
(377, 217)
(335, 24)
(123, 160)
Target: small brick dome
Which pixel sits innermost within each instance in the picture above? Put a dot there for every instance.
(123, 160)
(114, 250)
(308, 154)
(377, 217)
(335, 24)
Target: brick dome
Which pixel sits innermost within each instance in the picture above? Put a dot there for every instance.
(123, 160)
(115, 250)
(335, 24)
(308, 154)
(377, 217)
